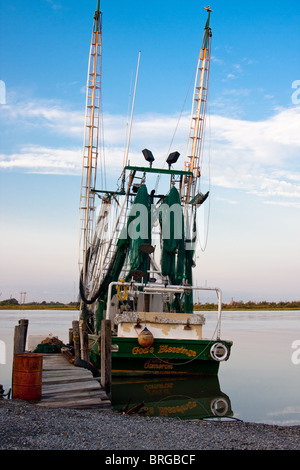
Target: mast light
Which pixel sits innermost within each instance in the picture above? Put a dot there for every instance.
(172, 158)
(148, 156)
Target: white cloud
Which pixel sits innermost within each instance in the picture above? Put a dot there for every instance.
(295, 205)
(259, 157)
(35, 159)
(44, 114)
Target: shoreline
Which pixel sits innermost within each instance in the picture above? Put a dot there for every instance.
(197, 309)
(35, 307)
(25, 426)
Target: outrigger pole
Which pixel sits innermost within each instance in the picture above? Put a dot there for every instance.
(188, 185)
(91, 139)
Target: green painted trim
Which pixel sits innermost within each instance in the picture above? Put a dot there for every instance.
(207, 31)
(118, 193)
(158, 170)
(164, 357)
(96, 17)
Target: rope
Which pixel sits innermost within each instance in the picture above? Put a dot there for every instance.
(176, 127)
(209, 161)
(103, 150)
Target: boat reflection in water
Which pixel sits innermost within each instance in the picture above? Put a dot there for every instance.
(184, 398)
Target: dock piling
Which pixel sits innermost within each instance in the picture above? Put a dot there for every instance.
(106, 356)
(20, 337)
(76, 339)
(84, 341)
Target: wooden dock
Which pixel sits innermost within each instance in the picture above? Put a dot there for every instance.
(67, 386)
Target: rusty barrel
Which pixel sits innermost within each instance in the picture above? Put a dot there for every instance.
(27, 376)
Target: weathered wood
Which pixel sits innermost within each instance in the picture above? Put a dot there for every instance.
(84, 341)
(20, 336)
(48, 373)
(75, 394)
(84, 386)
(76, 339)
(63, 379)
(57, 365)
(106, 355)
(68, 355)
(71, 341)
(67, 386)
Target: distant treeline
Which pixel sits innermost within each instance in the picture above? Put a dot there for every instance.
(233, 305)
(14, 304)
(250, 305)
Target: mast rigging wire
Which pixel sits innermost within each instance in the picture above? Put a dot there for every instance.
(176, 127)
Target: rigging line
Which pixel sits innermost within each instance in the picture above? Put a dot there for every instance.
(127, 123)
(209, 174)
(209, 162)
(103, 147)
(176, 127)
(132, 109)
(203, 248)
(102, 150)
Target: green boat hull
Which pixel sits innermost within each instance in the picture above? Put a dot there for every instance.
(172, 397)
(165, 357)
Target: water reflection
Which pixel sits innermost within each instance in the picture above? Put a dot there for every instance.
(184, 398)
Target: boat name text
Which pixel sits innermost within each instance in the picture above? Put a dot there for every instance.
(163, 349)
(176, 350)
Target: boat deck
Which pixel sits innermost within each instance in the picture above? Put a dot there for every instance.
(67, 386)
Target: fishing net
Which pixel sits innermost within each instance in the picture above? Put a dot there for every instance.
(139, 233)
(136, 232)
(171, 223)
(176, 261)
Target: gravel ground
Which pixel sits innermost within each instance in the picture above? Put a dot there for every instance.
(24, 426)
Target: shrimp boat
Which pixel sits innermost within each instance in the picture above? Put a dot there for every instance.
(138, 247)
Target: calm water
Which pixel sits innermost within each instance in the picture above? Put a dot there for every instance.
(260, 383)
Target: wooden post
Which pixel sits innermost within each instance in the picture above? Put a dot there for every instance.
(76, 339)
(106, 356)
(84, 342)
(20, 337)
(71, 341)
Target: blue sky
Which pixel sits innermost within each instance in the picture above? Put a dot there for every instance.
(253, 222)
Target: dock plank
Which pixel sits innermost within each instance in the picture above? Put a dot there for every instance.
(71, 386)
(61, 376)
(67, 386)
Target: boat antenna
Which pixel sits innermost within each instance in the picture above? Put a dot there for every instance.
(125, 160)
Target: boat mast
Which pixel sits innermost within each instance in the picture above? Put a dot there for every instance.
(188, 185)
(91, 138)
